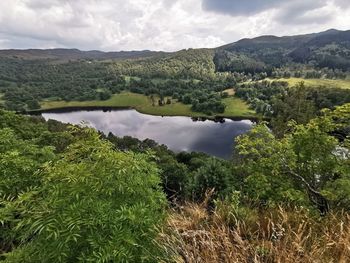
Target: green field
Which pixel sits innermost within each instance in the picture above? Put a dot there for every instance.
(235, 106)
(335, 83)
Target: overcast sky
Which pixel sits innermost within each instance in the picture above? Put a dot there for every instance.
(160, 24)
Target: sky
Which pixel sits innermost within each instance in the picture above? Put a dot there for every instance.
(168, 25)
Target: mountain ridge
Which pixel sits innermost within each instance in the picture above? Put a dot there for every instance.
(330, 48)
(99, 54)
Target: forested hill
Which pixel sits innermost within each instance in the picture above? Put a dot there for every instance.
(75, 54)
(330, 49)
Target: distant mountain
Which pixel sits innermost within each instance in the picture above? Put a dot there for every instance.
(330, 48)
(75, 54)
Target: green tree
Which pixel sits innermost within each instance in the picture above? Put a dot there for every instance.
(95, 205)
(213, 174)
(302, 164)
(292, 105)
(260, 156)
(19, 161)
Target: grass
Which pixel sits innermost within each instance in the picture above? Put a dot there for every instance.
(235, 106)
(288, 235)
(335, 83)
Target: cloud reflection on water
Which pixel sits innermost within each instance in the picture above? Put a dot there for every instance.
(178, 133)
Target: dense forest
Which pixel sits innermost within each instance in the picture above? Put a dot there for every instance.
(24, 83)
(329, 49)
(195, 76)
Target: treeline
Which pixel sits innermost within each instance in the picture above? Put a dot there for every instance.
(26, 82)
(302, 72)
(184, 64)
(236, 62)
(281, 103)
(204, 96)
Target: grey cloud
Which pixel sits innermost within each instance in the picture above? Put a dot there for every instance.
(288, 11)
(159, 24)
(42, 4)
(342, 3)
(239, 7)
(300, 12)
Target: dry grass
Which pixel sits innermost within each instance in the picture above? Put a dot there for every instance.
(280, 235)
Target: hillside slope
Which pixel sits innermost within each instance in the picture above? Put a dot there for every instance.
(330, 48)
(75, 54)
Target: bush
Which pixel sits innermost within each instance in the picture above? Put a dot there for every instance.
(213, 174)
(95, 205)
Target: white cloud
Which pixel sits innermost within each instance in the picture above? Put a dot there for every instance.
(157, 24)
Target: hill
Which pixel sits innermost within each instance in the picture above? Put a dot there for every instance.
(330, 49)
(74, 54)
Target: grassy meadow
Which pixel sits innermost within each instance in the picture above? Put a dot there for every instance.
(235, 107)
(336, 83)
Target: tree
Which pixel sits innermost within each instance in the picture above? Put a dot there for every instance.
(95, 204)
(33, 104)
(153, 100)
(104, 94)
(19, 160)
(174, 176)
(260, 156)
(293, 105)
(213, 174)
(297, 167)
(186, 99)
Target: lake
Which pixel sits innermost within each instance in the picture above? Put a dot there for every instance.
(178, 133)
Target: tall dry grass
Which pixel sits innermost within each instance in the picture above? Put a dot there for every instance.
(277, 235)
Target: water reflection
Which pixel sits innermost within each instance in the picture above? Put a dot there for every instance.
(178, 133)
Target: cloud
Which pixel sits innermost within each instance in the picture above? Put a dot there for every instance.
(303, 12)
(159, 24)
(288, 11)
(238, 7)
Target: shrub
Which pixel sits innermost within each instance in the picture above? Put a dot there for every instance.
(95, 205)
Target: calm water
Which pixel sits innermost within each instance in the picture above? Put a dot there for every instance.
(178, 133)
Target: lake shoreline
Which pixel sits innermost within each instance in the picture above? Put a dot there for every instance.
(213, 136)
(67, 109)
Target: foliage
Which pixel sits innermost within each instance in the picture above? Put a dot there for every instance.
(92, 204)
(329, 49)
(294, 104)
(304, 161)
(212, 175)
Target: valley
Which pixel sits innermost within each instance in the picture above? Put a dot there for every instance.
(236, 153)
